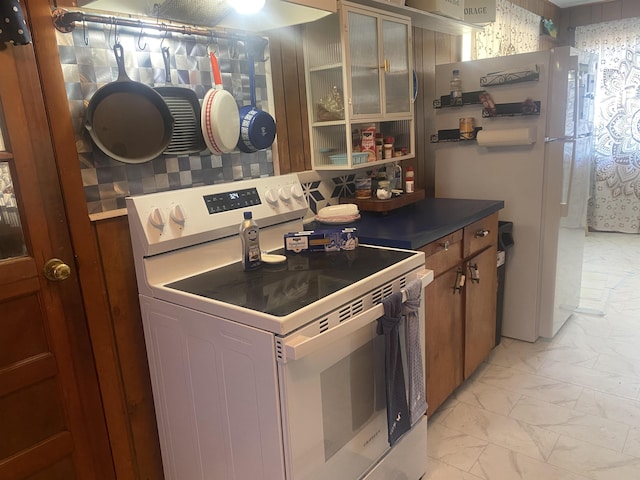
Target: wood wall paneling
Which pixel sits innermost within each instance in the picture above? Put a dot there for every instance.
(630, 8)
(287, 64)
(120, 281)
(600, 12)
(595, 13)
(613, 11)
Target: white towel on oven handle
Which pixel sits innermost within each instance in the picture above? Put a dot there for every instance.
(411, 310)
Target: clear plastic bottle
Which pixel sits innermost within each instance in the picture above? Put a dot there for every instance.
(456, 88)
(250, 238)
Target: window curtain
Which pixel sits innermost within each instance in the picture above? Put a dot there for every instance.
(615, 197)
(516, 30)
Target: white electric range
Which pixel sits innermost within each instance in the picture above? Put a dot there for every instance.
(272, 374)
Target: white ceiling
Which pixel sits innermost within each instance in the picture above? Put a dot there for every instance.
(574, 3)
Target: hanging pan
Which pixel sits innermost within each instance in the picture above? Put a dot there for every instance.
(128, 120)
(185, 108)
(220, 118)
(257, 127)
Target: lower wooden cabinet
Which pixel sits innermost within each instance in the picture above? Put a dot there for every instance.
(444, 339)
(460, 306)
(480, 309)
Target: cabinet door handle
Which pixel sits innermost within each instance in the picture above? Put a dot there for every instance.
(386, 66)
(482, 233)
(474, 273)
(445, 245)
(459, 283)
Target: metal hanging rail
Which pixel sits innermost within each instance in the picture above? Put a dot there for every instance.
(65, 21)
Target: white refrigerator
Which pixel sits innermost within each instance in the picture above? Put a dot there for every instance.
(538, 162)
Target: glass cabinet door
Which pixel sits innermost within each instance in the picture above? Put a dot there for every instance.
(11, 236)
(397, 79)
(365, 66)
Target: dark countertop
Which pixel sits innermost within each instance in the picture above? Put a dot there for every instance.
(416, 225)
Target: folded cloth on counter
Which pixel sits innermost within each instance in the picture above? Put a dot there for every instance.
(398, 421)
(411, 311)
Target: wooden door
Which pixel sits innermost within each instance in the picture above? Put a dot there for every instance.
(51, 418)
(444, 318)
(480, 317)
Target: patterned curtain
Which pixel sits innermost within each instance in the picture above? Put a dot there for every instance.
(13, 28)
(615, 197)
(516, 30)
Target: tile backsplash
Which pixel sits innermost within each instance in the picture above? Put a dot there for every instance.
(88, 62)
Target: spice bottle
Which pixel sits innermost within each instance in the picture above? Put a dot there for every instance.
(379, 146)
(456, 88)
(250, 238)
(409, 186)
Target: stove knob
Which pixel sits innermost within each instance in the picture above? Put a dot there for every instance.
(271, 197)
(178, 214)
(156, 217)
(297, 192)
(283, 193)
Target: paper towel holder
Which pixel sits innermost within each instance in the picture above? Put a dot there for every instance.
(508, 137)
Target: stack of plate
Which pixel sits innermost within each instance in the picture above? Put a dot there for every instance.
(338, 214)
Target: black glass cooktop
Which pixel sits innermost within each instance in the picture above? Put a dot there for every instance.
(284, 288)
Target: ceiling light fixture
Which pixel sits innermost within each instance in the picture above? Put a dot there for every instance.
(247, 7)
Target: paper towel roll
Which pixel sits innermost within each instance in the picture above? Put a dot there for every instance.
(507, 137)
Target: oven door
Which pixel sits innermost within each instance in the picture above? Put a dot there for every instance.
(333, 400)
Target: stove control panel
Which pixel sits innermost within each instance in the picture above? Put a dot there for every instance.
(166, 221)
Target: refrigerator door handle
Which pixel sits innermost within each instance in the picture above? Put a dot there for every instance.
(559, 139)
(564, 203)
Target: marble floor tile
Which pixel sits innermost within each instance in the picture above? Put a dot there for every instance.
(598, 326)
(632, 447)
(594, 462)
(489, 397)
(499, 463)
(527, 358)
(611, 407)
(591, 428)
(444, 410)
(614, 383)
(437, 470)
(453, 447)
(537, 386)
(528, 439)
(618, 364)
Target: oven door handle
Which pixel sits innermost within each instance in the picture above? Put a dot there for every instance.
(299, 346)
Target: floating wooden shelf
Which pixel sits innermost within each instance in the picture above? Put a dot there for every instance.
(376, 205)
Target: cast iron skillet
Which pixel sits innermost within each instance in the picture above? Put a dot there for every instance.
(184, 106)
(128, 120)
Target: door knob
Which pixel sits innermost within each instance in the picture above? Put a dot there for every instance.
(56, 270)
